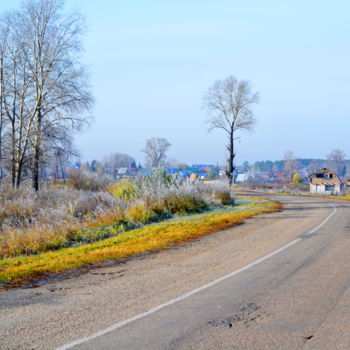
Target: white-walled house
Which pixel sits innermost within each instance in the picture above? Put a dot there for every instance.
(242, 178)
(325, 182)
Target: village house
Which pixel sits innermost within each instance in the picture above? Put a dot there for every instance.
(325, 182)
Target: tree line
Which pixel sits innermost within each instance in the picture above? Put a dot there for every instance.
(44, 89)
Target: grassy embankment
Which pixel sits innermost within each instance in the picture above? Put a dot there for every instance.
(153, 237)
(345, 197)
(288, 190)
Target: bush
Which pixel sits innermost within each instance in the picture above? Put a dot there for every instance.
(159, 210)
(219, 192)
(91, 204)
(140, 214)
(82, 179)
(125, 189)
(184, 203)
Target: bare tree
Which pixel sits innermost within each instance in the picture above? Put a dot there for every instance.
(336, 162)
(155, 150)
(290, 165)
(15, 95)
(229, 102)
(60, 91)
(44, 92)
(2, 54)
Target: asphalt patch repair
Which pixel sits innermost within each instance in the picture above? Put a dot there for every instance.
(247, 314)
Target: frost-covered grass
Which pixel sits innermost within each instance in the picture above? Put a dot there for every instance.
(280, 188)
(68, 216)
(289, 190)
(148, 238)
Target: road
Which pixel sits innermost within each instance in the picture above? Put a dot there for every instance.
(279, 281)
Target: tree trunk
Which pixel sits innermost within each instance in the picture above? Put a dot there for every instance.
(36, 160)
(13, 154)
(231, 158)
(1, 110)
(13, 127)
(19, 168)
(62, 170)
(36, 152)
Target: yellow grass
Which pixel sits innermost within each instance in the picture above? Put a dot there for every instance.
(149, 238)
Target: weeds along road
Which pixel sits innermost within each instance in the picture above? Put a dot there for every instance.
(285, 284)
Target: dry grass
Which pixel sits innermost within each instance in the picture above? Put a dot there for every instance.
(279, 188)
(61, 216)
(305, 194)
(345, 197)
(150, 238)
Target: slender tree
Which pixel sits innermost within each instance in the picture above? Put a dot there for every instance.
(290, 165)
(229, 103)
(16, 86)
(2, 54)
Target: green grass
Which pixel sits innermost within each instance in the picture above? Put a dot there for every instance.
(154, 237)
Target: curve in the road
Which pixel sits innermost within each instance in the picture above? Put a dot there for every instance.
(195, 291)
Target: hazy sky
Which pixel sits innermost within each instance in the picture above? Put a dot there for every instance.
(152, 61)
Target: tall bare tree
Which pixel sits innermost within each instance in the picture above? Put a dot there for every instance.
(2, 54)
(60, 90)
(47, 88)
(229, 102)
(290, 165)
(155, 150)
(15, 95)
(336, 161)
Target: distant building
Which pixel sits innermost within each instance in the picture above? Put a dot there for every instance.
(126, 172)
(325, 182)
(201, 175)
(184, 174)
(144, 172)
(203, 166)
(242, 178)
(222, 173)
(171, 171)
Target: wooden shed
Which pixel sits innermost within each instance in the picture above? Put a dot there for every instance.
(325, 182)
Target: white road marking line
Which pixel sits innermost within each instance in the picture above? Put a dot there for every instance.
(189, 294)
(323, 222)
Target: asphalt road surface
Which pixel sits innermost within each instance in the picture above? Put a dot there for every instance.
(279, 281)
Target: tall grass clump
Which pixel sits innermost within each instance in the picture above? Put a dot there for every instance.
(32, 222)
(82, 179)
